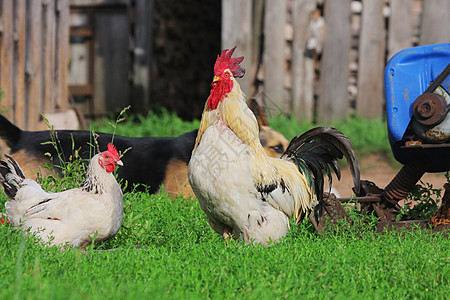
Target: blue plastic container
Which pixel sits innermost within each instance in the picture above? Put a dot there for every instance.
(407, 75)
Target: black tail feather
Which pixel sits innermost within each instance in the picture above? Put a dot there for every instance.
(11, 175)
(317, 151)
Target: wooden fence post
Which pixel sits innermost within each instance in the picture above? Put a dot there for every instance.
(274, 56)
(33, 64)
(302, 91)
(372, 47)
(62, 55)
(400, 26)
(333, 95)
(435, 22)
(257, 34)
(237, 31)
(18, 67)
(6, 59)
(47, 104)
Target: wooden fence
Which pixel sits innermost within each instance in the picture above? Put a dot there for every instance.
(34, 39)
(324, 59)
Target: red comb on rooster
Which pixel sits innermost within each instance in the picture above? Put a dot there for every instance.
(226, 69)
(225, 61)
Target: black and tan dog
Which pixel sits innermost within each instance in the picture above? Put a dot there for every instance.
(150, 161)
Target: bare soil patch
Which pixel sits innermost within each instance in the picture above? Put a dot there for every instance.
(379, 170)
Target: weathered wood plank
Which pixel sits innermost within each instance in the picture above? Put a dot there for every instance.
(257, 34)
(274, 56)
(301, 95)
(44, 104)
(62, 55)
(333, 96)
(400, 26)
(30, 79)
(49, 55)
(33, 63)
(372, 49)
(435, 22)
(6, 59)
(19, 64)
(237, 31)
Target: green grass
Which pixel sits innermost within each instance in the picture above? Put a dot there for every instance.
(166, 249)
(367, 136)
(163, 123)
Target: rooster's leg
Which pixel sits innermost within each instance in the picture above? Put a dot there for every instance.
(226, 233)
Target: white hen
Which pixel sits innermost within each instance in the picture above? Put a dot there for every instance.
(74, 216)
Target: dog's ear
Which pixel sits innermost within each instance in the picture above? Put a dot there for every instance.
(258, 112)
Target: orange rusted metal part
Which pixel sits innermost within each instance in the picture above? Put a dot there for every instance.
(429, 108)
(402, 183)
(442, 215)
(329, 212)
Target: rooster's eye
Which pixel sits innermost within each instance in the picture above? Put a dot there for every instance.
(107, 156)
(227, 75)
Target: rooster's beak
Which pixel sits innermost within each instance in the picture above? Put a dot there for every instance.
(215, 79)
(119, 163)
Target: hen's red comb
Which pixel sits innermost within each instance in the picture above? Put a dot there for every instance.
(224, 61)
(113, 151)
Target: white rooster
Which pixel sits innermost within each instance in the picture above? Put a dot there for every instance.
(243, 191)
(74, 216)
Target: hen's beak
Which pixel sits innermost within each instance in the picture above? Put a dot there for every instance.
(119, 163)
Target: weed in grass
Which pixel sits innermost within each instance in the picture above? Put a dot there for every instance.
(72, 175)
(422, 202)
(68, 172)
